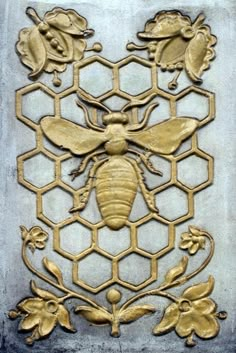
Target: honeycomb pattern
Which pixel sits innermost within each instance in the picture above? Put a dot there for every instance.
(83, 238)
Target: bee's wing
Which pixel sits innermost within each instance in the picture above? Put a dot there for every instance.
(71, 136)
(165, 137)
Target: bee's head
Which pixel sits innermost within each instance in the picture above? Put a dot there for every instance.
(115, 118)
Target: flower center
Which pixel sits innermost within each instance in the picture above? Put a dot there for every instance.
(185, 305)
(51, 306)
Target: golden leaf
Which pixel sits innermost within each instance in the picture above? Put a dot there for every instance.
(95, 316)
(177, 271)
(32, 51)
(135, 312)
(200, 290)
(53, 269)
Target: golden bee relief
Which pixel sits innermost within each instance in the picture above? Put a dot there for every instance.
(113, 149)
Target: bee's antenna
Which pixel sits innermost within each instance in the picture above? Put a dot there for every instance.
(91, 101)
(136, 103)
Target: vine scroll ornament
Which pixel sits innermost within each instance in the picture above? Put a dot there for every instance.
(110, 151)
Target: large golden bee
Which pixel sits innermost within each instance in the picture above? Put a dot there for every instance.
(117, 176)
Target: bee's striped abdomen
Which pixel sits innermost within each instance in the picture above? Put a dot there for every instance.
(116, 188)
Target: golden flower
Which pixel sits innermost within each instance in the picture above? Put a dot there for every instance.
(174, 43)
(36, 237)
(42, 314)
(193, 313)
(193, 240)
(54, 41)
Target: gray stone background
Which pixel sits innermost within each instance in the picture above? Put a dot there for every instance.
(115, 23)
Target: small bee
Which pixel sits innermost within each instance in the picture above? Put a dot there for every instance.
(117, 176)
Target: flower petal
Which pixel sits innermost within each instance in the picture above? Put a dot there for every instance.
(185, 244)
(40, 244)
(205, 326)
(194, 248)
(169, 320)
(63, 318)
(31, 305)
(185, 325)
(186, 236)
(205, 306)
(29, 322)
(47, 323)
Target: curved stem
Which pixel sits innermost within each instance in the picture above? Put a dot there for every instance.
(70, 293)
(180, 281)
(149, 293)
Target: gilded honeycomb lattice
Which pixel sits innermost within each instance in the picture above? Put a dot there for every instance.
(174, 186)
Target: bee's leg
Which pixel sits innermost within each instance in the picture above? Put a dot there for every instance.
(82, 197)
(81, 168)
(146, 161)
(149, 198)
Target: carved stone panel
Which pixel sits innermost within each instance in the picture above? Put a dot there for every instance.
(117, 176)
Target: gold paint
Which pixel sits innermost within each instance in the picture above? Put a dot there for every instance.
(176, 43)
(54, 41)
(116, 174)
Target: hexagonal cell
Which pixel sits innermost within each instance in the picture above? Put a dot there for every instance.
(37, 104)
(135, 78)
(96, 79)
(95, 269)
(172, 203)
(114, 242)
(134, 269)
(192, 171)
(66, 168)
(164, 166)
(193, 105)
(56, 204)
(75, 238)
(153, 236)
(39, 170)
(71, 111)
(115, 103)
